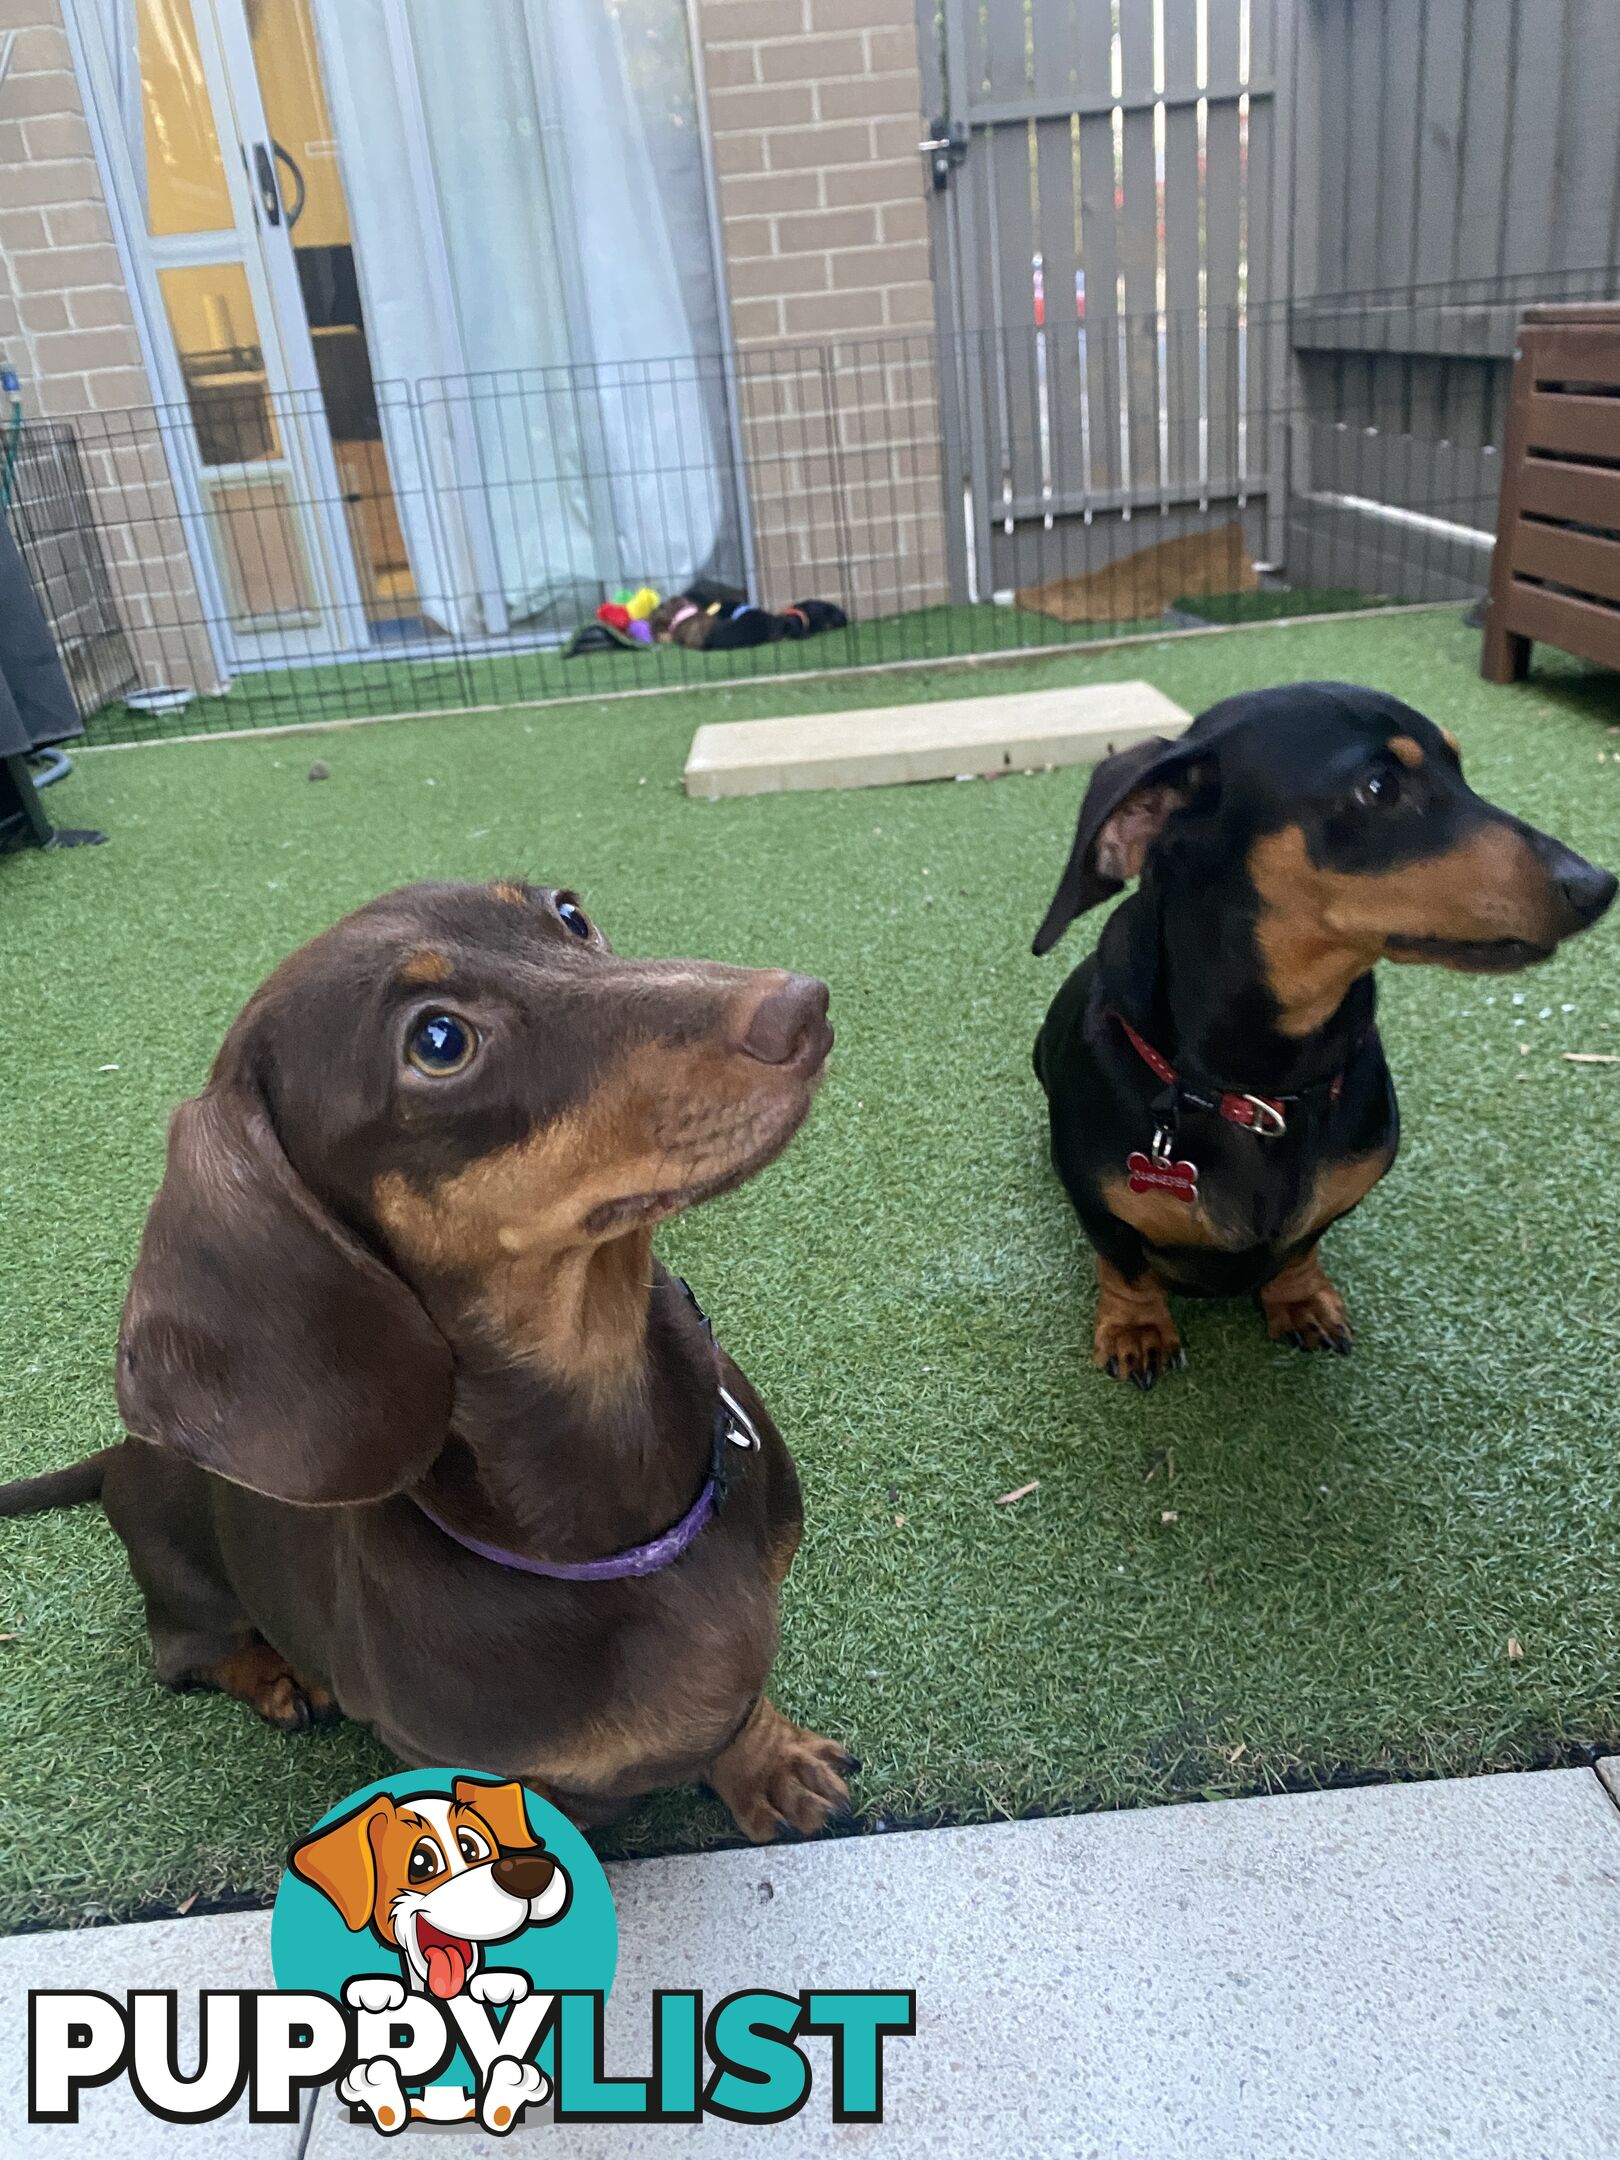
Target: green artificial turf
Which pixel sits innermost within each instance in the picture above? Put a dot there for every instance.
(391, 683)
(1273, 604)
(1276, 1569)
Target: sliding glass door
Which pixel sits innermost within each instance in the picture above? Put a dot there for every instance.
(242, 410)
(432, 286)
(284, 127)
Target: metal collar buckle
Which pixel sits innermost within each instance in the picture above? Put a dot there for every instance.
(1268, 1122)
(741, 1430)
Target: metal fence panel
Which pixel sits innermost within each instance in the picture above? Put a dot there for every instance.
(53, 522)
(1390, 496)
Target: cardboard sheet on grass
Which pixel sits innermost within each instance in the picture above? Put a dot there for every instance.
(954, 738)
(1144, 584)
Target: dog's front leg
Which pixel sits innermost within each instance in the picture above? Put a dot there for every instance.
(776, 1776)
(1303, 1308)
(1134, 1338)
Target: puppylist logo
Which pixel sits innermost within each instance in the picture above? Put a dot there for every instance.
(443, 1945)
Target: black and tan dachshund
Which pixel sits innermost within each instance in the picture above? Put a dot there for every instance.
(1217, 1088)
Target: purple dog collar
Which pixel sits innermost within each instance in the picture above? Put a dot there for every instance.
(732, 1427)
(658, 1552)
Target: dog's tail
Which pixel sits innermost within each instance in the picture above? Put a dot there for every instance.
(57, 1488)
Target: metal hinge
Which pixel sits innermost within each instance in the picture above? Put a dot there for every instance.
(946, 147)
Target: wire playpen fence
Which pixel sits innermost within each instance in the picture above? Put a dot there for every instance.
(57, 528)
(292, 561)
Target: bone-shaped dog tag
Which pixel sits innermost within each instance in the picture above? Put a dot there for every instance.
(1149, 1174)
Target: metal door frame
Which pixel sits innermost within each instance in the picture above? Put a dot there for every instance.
(315, 497)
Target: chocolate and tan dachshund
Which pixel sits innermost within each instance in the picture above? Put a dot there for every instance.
(1217, 1088)
(421, 1433)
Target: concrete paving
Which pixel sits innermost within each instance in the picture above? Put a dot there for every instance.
(228, 1950)
(879, 747)
(1408, 1970)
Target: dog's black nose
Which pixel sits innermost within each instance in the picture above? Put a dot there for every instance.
(786, 1019)
(524, 1874)
(1588, 889)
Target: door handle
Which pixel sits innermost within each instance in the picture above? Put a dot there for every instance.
(264, 172)
(945, 149)
(295, 209)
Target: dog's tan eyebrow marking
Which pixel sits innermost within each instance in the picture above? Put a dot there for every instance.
(512, 895)
(426, 966)
(1451, 742)
(1409, 752)
(410, 1815)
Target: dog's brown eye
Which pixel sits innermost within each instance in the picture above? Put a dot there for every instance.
(441, 1044)
(471, 1847)
(1378, 791)
(574, 917)
(426, 1859)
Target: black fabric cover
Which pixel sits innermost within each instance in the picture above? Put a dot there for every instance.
(36, 701)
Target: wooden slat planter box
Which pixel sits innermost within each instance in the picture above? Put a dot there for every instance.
(1556, 572)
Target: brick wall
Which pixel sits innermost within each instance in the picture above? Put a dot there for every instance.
(815, 112)
(67, 327)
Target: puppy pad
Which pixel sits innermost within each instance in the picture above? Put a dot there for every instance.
(956, 738)
(1142, 585)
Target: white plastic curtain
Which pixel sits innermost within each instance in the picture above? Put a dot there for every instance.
(553, 427)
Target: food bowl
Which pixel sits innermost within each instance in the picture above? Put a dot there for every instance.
(159, 698)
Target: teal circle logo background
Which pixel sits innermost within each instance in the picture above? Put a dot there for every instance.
(312, 1948)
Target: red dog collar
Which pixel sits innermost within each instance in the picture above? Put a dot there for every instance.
(1263, 1115)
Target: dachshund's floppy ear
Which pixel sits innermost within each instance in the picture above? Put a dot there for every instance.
(1127, 804)
(260, 1338)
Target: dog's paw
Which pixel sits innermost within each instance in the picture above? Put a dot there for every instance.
(1311, 1318)
(375, 1992)
(509, 2088)
(499, 1984)
(776, 1776)
(262, 1678)
(374, 2088)
(1138, 1348)
(321, 1704)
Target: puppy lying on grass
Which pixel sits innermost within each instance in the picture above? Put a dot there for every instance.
(707, 619)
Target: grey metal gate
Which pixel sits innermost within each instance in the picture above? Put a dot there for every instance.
(1107, 182)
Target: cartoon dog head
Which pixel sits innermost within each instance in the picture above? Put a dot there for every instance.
(436, 1877)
